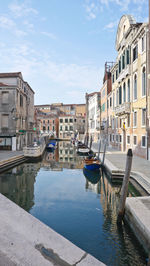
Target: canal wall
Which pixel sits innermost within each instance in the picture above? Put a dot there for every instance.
(27, 241)
(11, 162)
(137, 210)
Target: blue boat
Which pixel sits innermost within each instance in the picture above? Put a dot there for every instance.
(92, 164)
(92, 176)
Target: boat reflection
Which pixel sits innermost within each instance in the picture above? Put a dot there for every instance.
(92, 176)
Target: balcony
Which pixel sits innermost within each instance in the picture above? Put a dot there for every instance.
(124, 73)
(124, 108)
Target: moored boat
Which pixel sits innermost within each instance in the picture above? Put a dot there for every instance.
(92, 176)
(92, 163)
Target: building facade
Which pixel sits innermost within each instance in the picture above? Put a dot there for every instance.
(127, 112)
(71, 127)
(16, 112)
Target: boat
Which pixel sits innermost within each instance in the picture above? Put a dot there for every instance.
(92, 176)
(92, 163)
(51, 145)
(83, 151)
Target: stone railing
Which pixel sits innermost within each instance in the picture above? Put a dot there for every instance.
(124, 108)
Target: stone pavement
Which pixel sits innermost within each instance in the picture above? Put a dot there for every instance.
(5, 155)
(118, 159)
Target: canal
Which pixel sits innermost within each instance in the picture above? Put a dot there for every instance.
(81, 207)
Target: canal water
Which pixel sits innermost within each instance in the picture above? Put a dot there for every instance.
(80, 206)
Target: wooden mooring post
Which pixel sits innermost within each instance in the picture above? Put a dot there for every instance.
(104, 153)
(99, 149)
(124, 189)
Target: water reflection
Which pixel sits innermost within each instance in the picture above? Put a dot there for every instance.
(17, 184)
(85, 203)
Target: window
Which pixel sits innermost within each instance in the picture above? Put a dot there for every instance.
(48, 121)
(119, 66)
(128, 121)
(48, 128)
(113, 137)
(61, 120)
(71, 120)
(135, 87)
(110, 137)
(107, 104)
(135, 140)
(53, 128)
(128, 56)
(143, 117)
(143, 44)
(128, 90)
(143, 81)
(5, 96)
(116, 138)
(113, 78)
(43, 121)
(124, 92)
(66, 128)
(60, 128)
(21, 100)
(128, 139)
(123, 61)
(5, 121)
(66, 120)
(135, 53)
(120, 138)
(120, 95)
(120, 122)
(135, 119)
(110, 101)
(116, 74)
(103, 107)
(71, 128)
(143, 141)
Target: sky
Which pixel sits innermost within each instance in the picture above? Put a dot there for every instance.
(61, 46)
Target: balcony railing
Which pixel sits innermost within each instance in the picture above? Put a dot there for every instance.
(124, 73)
(124, 108)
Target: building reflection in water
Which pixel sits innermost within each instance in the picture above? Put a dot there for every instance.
(109, 195)
(17, 184)
(64, 156)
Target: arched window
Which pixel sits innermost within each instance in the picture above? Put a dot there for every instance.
(120, 95)
(124, 92)
(128, 90)
(135, 87)
(143, 81)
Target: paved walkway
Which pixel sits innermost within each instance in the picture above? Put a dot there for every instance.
(5, 155)
(118, 159)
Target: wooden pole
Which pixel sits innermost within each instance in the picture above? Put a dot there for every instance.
(90, 142)
(104, 153)
(99, 148)
(124, 189)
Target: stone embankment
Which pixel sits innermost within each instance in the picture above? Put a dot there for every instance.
(9, 159)
(137, 209)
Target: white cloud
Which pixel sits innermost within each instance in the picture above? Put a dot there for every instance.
(94, 8)
(49, 34)
(20, 10)
(42, 71)
(111, 25)
(6, 22)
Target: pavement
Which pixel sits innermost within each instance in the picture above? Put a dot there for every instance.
(5, 155)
